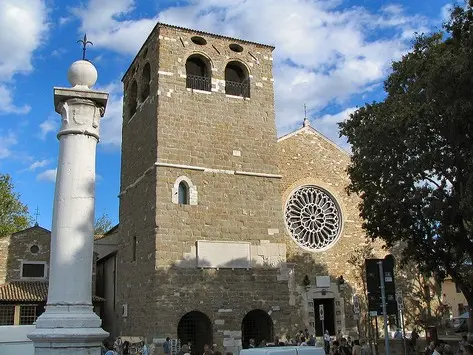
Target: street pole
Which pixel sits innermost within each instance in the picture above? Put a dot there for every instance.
(403, 332)
(383, 300)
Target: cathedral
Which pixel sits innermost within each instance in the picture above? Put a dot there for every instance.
(226, 231)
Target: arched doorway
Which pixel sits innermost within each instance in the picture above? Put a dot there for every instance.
(195, 328)
(257, 325)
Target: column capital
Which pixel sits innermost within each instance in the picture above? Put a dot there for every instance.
(80, 111)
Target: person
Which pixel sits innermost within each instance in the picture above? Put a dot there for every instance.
(207, 350)
(144, 348)
(327, 341)
(184, 350)
(438, 349)
(117, 346)
(356, 350)
(397, 334)
(345, 349)
(126, 348)
(336, 348)
(311, 341)
(167, 346)
(110, 347)
(365, 348)
(252, 343)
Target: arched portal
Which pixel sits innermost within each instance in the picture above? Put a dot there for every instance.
(257, 325)
(195, 328)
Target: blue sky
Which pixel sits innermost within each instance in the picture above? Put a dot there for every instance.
(332, 55)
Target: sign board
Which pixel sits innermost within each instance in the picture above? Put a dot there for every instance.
(356, 304)
(321, 312)
(374, 285)
(373, 313)
(399, 300)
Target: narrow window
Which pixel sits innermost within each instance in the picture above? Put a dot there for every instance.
(146, 77)
(183, 193)
(237, 80)
(132, 99)
(198, 73)
(134, 249)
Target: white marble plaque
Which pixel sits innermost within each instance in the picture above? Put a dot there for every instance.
(224, 255)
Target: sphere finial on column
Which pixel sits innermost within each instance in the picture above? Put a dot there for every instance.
(82, 75)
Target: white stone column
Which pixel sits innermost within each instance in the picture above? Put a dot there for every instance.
(69, 324)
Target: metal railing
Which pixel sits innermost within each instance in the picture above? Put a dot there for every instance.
(198, 82)
(237, 88)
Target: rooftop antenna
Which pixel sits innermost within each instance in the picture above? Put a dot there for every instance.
(36, 216)
(84, 42)
(306, 120)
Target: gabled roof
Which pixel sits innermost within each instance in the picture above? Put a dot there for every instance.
(307, 128)
(36, 226)
(28, 291)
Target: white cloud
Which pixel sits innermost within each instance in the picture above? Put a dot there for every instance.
(38, 164)
(6, 142)
(7, 105)
(50, 125)
(325, 54)
(111, 123)
(47, 175)
(22, 29)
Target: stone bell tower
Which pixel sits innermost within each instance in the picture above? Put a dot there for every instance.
(199, 204)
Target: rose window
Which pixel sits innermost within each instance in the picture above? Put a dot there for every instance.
(313, 218)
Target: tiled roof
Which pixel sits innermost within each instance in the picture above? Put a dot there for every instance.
(28, 291)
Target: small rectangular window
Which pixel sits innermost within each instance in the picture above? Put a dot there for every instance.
(134, 248)
(33, 270)
(7, 314)
(458, 289)
(28, 314)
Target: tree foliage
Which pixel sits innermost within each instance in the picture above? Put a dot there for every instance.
(13, 214)
(412, 161)
(102, 224)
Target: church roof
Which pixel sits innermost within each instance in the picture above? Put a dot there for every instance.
(28, 291)
(307, 128)
(36, 226)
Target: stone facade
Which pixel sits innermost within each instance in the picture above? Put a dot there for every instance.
(17, 248)
(224, 147)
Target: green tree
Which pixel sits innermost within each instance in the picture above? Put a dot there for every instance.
(102, 224)
(13, 214)
(412, 161)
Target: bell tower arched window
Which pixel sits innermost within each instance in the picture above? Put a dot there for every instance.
(132, 99)
(183, 193)
(146, 77)
(198, 73)
(237, 80)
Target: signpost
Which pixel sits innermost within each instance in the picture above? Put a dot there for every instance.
(400, 306)
(356, 311)
(383, 303)
(322, 317)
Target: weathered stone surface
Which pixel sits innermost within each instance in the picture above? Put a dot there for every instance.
(226, 147)
(16, 248)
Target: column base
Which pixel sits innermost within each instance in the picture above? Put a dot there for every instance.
(71, 330)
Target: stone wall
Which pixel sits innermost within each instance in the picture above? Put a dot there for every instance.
(306, 157)
(17, 247)
(225, 146)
